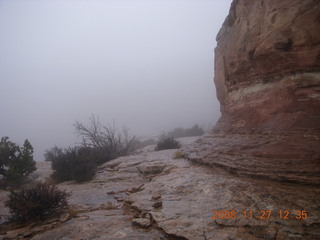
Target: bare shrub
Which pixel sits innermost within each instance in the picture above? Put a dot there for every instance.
(178, 155)
(108, 139)
(84, 171)
(99, 145)
(37, 202)
(167, 143)
(186, 132)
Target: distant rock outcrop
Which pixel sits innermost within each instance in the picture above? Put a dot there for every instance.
(267, 76)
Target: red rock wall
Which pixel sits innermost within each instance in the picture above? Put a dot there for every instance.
(267, 76)
(267, 65)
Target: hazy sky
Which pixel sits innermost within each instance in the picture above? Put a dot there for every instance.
(146, 64)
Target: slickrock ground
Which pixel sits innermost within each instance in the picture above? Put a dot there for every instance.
(153, 196)
(284, 156)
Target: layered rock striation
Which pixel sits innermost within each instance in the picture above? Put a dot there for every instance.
(267, 76)
(153, 195)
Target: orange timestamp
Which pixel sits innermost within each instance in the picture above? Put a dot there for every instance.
(263, 215)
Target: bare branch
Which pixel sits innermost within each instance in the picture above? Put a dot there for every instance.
(91, 135)
(96, 135)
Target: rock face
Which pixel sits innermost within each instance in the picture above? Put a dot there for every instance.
(267, 63)
(267, 75)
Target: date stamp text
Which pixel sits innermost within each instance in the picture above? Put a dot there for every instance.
(262, 215)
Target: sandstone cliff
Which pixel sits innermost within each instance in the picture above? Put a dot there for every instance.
(267, 76)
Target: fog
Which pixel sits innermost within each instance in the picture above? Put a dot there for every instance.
(146, 64)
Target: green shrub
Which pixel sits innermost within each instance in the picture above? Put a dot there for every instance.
(147, 142)
(16, 163)
(84, 171)
(62, 163)
(36, 202)
(72, 163)
(100, 144)
(186, 132)
(167, 143)
(194, 131)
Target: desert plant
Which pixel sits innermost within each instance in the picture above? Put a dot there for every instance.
(99, 144)
(167, 143)
(84, 171)
(16, 162)
(36, 202)
(147, 142)
(186, 132)
(76, 163)
(178, 155)
(62, 163)
(194, 131)
(52, 154)
(107, 139)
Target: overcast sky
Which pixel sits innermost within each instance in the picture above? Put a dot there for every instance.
(146, 64)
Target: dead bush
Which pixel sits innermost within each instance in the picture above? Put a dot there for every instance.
(167, 143)
(36, 202)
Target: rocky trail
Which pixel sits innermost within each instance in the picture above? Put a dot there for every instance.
(152, 195)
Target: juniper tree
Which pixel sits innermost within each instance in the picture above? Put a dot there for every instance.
(15, 162)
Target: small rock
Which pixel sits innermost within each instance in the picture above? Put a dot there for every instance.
(133, 189)
(151, 169)
(136, 215)
(156, 196)
(83, 218)
(65, 217)
(141, 222)
(148, 216)
(119, 198)
(157, 204)
(119, 234)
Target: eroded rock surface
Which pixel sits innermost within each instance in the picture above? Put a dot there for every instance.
(267, 74)
(271, 47)
(122, 202)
